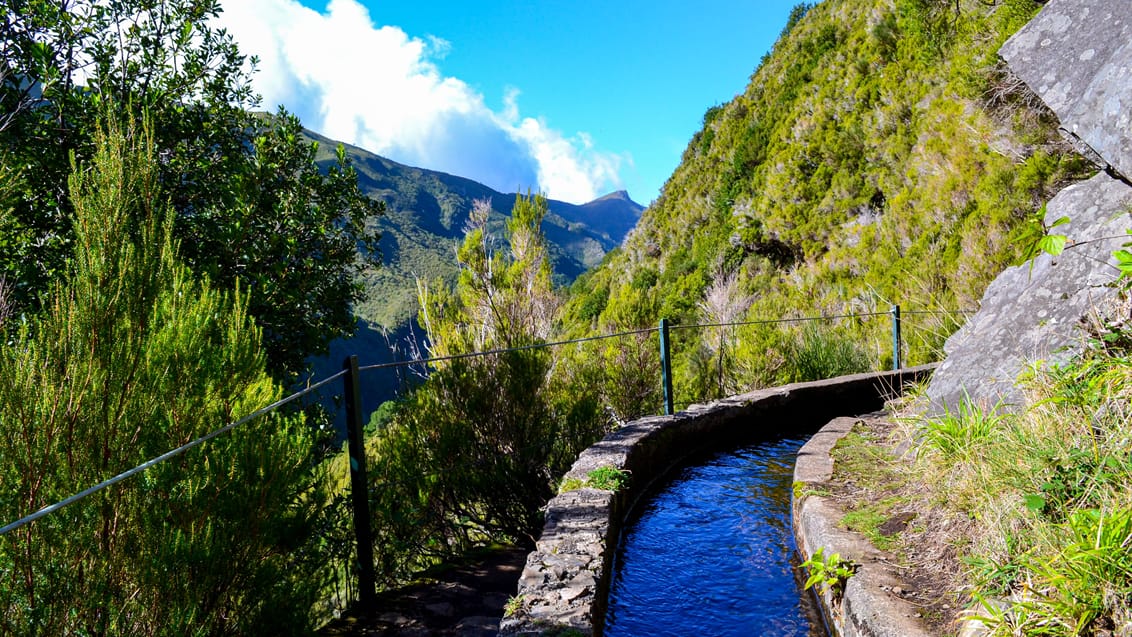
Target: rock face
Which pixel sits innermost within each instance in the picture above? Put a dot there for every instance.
(1032, 314)
(1076, 55)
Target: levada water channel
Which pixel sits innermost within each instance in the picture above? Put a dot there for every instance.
(710, 551)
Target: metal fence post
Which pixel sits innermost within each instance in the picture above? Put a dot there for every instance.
(359, 488)
(896, 337)
(666, 368)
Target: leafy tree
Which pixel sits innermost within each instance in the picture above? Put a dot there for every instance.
(473, 454)
(292, 235)
(131, 358)
(251, 203)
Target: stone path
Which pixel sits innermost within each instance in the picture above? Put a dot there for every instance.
(465, 600)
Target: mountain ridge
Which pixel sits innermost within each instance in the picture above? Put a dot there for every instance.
(425, 217)
(424, 221)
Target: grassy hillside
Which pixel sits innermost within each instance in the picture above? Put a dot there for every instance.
(879, 155)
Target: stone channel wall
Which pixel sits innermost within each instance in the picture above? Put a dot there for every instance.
(563, 588)
(865, 608)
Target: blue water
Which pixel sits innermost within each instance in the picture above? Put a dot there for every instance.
(711, 552)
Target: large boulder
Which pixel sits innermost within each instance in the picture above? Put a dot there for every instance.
(1077, 56)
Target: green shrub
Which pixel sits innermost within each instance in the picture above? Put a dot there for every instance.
(608, 478)
(630, 377)
(831, 572)
(474, 453)
(819, 352)
(132, 358)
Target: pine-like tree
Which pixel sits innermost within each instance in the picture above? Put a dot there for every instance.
(133, 357)
(473, 454)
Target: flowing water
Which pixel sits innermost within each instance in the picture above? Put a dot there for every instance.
(712, 552)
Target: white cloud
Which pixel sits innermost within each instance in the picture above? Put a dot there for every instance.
(379, 88)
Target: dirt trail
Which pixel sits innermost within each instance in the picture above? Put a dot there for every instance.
(465, 600)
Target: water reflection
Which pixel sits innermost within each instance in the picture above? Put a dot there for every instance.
(710, 553)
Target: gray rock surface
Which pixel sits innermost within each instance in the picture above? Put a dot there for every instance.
(1029, 315)
(1077, 56)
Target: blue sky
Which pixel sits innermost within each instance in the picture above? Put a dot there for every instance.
(572, 98)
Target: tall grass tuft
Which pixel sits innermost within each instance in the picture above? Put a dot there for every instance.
(819, 352)
(958, 434)
(1051, 489)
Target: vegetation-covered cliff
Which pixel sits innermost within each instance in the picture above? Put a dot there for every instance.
(1020, 483)
(879, 155)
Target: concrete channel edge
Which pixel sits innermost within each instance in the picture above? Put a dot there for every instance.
(562, 590)
(866, 608)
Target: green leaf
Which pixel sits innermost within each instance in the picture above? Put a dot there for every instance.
(1034, 502)
(1123, 262)
(813, 579)
(1052, 244)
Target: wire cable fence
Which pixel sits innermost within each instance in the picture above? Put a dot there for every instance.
(521, 348)
(359, 490)
(804, 319)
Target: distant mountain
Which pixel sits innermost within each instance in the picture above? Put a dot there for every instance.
(425, 216)
(614, 214)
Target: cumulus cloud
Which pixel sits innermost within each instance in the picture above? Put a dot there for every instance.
(382, 89)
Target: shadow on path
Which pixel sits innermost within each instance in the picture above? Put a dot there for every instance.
(466, 599)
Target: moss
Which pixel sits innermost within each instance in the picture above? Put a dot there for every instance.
(869, 520)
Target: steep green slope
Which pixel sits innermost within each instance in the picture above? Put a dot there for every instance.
(425, 216)
(880, 155)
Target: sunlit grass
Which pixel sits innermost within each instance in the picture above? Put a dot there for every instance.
(1050, 490)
